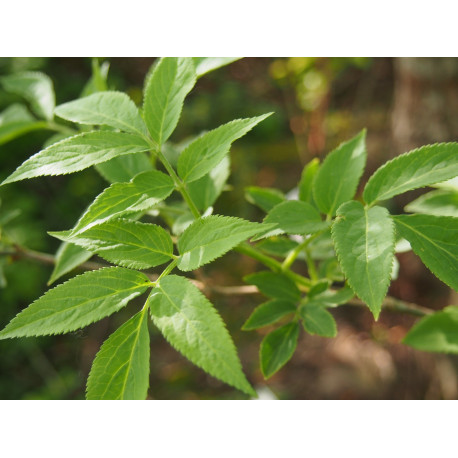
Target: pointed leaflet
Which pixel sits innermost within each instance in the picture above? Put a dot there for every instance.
(36, 88)
(337, 178)
(274, 285)
(277, 348)
(268, 313)
(208, 238)
(192, 325)
(67, 258)
(121, 367)
(317, 320)
(141, 193)
(364, 241)
(169, 84)
(110, 108)
(123, 168)
(434, 239)
(421, 167)
(205, 153)
(439, 203)
(78, 302)
(437, 332)
(126, 243)
(208, 64)
(306, 183)
(78, 153)
(293, 217)
(264, 198)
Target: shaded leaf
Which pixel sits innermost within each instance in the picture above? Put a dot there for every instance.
(123, 168)
(268, 313)
(274, 285)
(264, 198)
(306, 183)
(68, 257)
(317, 320)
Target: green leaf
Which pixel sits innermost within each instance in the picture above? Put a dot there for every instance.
(36, 88)
(317, 320)
(15, 121)
(451, 185)
(264, 198)
(205, 153)
(171, 81)
(268, 313)
(421, 167)
(293, 217)
(68, 257)
(78, 302)
(437, 332)
(124, 168)
(209, 238)
(121, 367)
(205, 65)
(126, 243)
(98, 80)
(109, 108)
(337, 179)
(277, 348)
(439, 203)
(434, 239)
(277, 246)
(192, 325)
(78, 153)
(274, 285)
(306, 183)
(332, 298)
(141, 193)
(207, 189)
(364, 241)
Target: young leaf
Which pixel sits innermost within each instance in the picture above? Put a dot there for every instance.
(171, 81)
(293, 217)
(109, 108)
(126, 243)
(437, 332)
(78, 153)
(421, 167)
(123, 168)
(264, 198)
(209, 238)
(121, 367)
(306, 183)
(364, 240)
(78, 302)
(277, 348)
(68, 257)
(434, 239)
(268, 313)
(317, 320)
(337, 178)
(36, 88)
(439, 203)
(205, 153)
(274, 285)
(141, 193)
(192, 325)
(205, 65)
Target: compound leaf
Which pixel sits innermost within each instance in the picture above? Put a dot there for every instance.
(210, 237)
(191, 324)
(78, 153)
(274, 285)
(36, 88)
(109, 108)
(205, 153)
(439, 203)
(437, 332)
(121, 367)
(317, 320)
(337, 178)
(434, 239)
(141, 193)
(169, 84)
(78, 302)
(277, 348)
(126, 243)
(421, 167)
(364, 241)
(68, 257)
(268, 313)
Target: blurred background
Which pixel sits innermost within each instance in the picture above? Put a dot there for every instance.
(318, 103)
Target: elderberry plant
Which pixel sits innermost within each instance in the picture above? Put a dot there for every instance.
(348, 244)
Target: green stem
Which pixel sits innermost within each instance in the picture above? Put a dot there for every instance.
(311, 266)
(166, 271)
(289, 260)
